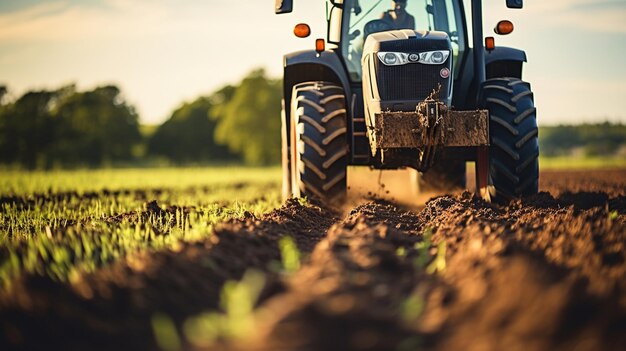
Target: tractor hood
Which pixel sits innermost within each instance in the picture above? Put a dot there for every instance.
(402, 68)
(406, 39)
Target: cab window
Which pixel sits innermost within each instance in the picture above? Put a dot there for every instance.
(363, 17)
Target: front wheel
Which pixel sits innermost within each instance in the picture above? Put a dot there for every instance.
(319, 149)
(513, 132)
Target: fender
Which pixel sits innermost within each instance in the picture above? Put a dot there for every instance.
(308, 66)
(504, 62)
(500, 62)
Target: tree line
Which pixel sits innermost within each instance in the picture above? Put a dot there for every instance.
(69, 128)
(588, 139)
(236, 124)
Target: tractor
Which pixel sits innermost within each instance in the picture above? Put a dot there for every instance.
(376, 93)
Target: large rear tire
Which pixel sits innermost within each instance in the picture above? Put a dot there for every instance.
(319, 146)
(514, 149)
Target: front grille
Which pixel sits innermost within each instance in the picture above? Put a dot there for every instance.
(413, 81)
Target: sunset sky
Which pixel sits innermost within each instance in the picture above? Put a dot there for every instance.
(163, 52)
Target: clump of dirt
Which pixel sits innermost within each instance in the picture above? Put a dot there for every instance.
(383, 211)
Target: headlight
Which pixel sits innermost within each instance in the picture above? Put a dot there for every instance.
(434, 57)
(393, 58)
(401, 58)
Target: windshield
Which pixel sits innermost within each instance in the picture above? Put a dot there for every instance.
(368, 16)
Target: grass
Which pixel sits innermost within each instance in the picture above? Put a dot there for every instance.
(586, 162)
(290, 255)
(64, 222)
(23, 182)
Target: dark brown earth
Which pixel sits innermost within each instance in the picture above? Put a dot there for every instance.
(541, 273)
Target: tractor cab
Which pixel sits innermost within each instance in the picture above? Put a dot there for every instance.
(365, 17)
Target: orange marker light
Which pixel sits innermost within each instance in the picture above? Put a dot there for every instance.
(504, 27)
(490, 43)
(302, 30)
(320, 45)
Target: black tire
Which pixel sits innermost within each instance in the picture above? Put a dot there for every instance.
(514, 149)
(319, 146)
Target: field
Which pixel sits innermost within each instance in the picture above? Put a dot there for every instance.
(211, 259)
(568, 162)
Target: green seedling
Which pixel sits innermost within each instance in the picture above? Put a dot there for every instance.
(423, 256)
(412, 308)
(165, 332)
(290, 254)
(303, 201)
(411, 343)
(439, 263)
(237, 319)
(238, 300)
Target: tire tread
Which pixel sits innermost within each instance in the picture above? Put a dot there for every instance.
(322, 147)
(514, 151)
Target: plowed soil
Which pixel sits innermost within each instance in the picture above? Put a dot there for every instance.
(541, 273)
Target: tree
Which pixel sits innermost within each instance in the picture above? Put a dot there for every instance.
(249, 121)
(591, 138)
(3, 93)
(95, 127)
(27, 129)
(187, 136)
(220, 98)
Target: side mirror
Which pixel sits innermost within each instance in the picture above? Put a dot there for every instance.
(283, 6)
(515, 4)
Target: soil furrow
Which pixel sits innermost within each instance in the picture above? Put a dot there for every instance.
(525, 276)
(531, 277)
(112, 308)
(353, 290)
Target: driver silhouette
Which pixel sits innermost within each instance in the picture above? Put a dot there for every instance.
(398, 17)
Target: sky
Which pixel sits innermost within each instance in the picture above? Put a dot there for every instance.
(164, 52)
